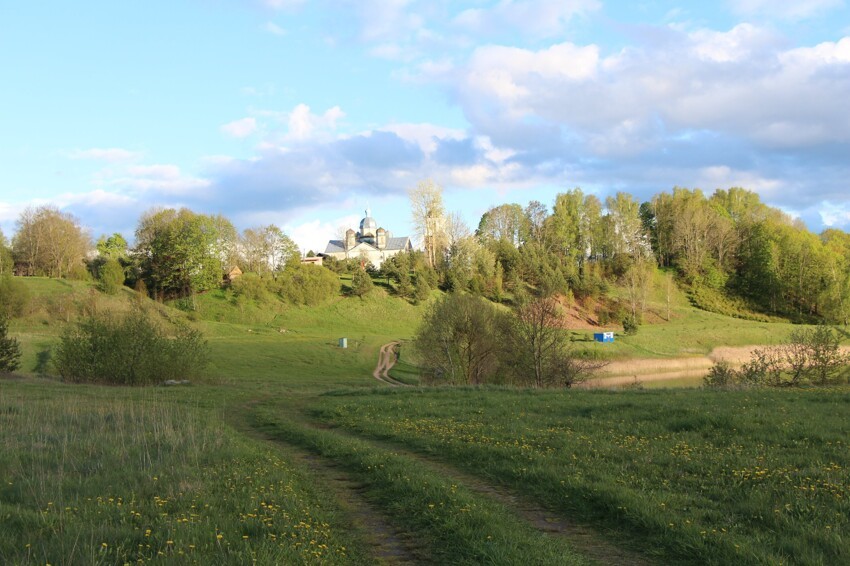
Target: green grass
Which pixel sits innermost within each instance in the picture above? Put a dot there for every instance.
(99, 476)
(692, 476)
(458, 526)
(742, 477)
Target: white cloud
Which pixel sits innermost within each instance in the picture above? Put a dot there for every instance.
(740, 82)
(282, 4)
(240, 128)
(793, 10)
(835, 214)
(164, 180)
(111, 155)
(274, 29)
(304, 124)
(315, 234)
(537, 18)
(424, 135)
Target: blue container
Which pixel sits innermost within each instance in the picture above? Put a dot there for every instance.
(604, 337)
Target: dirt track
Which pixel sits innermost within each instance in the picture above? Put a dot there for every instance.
(386, 360)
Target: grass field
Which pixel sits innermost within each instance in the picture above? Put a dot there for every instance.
(290, 452)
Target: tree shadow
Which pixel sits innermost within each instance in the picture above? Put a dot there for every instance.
(42, 364)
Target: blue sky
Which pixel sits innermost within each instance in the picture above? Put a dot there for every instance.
(302, 113)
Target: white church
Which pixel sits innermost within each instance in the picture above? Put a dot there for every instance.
(371, 243)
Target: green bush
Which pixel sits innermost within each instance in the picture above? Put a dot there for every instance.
(128, 350)
(630, 325)
(14, 296)
(307, 285)
(361, 283)
(10, 348)
(110, 276)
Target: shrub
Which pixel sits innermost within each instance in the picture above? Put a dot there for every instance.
(307, 284)
(630, 325)
(128, 350)
(110, 276)
(361, 283)
(14, 297)
(721, 375)
(10, 348)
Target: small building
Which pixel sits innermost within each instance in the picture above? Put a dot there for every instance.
(371, 243)
(232, 273)
(604, 337)
(312, 260)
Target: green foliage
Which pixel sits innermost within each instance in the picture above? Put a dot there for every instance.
(630, 325)
(10, 348)
(252, 287)
(177, 252)
(113, 247)
(129, 349)
(14, 296)
(7, 264)
(721, 376)
(306, 284)
(810, 356)
(110, 276)
(458, 339)
(361, 283)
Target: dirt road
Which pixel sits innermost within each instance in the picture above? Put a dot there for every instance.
(386, 360)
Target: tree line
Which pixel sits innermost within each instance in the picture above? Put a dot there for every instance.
(731, 252)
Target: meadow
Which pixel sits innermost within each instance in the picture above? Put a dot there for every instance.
(290, 452)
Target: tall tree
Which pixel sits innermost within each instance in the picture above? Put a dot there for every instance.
(6, 263)
(50, 242)
(625, 233)
(267, 249)
(177, 252)
(429, 221)
(458, 339)
(504, 222)
(113, 247)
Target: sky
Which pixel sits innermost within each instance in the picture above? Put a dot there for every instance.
(303, 113)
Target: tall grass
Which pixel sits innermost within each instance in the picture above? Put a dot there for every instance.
(93, 480)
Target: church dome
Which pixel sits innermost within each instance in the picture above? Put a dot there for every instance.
(368, 226)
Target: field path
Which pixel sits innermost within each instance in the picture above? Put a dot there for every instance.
(386, 543)
(584, 539)
(386, 360)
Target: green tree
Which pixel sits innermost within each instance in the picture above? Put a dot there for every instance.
(506, 222)
(50, 242)
(458, 340)
(539, 350)
(6, 263)
(110, 276)
(361, 283)
(10, 348)
(178, 252)
(429, 218)
(113, 247)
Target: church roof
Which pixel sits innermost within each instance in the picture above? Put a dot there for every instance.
(335, 246)
(397, 243)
